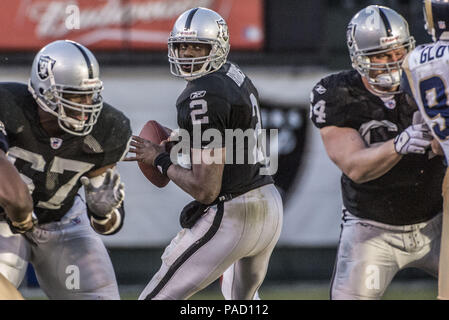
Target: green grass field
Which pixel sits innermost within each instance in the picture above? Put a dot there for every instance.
(411, 290)
(426, 290)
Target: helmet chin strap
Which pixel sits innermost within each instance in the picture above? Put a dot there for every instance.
(384, 80)
(189, 76)
(388, 79)
(76, 125)
(371, 84)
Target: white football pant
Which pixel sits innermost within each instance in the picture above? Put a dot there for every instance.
(234, 239)
(70, 260)
(371, 253)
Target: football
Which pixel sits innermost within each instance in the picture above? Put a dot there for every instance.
(156, 133)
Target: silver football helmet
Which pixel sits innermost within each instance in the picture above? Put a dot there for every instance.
(198, 25)
(61, 69)
(373, 31)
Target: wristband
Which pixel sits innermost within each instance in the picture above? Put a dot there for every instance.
(24, 223)
(163, 162)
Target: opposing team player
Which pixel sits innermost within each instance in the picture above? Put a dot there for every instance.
(390, 182)
(62, 136)
(426, 79)
(239, 210)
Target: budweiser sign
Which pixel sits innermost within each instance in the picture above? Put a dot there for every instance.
(117, 24)
(50, 17)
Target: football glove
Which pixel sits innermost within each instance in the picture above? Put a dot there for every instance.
(415, 139)
(105, 198)
(23, 228)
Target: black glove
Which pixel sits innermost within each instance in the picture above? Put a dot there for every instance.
(191, 213)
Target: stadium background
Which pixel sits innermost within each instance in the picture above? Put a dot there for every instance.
(285, 46)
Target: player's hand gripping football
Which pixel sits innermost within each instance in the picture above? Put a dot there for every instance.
(102, 200)
(415, 139)
(145, 151)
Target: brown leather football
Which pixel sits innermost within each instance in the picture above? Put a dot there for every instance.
(156, 133)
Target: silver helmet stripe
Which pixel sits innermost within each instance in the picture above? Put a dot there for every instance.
(387, 24)
(86, 57)
(189, 18)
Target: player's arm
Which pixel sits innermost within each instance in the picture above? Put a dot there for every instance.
(348, 151)
(104, 198)
(360, 163)
(15, 196)
(203, 181)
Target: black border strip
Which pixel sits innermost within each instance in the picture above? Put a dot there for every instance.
(189, 252)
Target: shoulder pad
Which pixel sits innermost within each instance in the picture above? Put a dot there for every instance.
(329, 97)
(111, 132)
(14, 99)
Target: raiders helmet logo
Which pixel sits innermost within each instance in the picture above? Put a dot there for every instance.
(45, 62)
(350, 31)
(224, 29)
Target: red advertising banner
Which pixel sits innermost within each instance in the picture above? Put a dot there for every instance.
(119, 24)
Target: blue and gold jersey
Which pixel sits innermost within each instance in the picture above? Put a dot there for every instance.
(426, 79)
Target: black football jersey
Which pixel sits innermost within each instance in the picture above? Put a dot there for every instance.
(411, 191)
(225, 100)
(52, 166)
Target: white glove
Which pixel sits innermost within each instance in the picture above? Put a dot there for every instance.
(102, 200)
(414, 139)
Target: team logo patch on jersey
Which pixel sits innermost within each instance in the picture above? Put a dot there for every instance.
(390, 104)
(55, 143)
(45, 62)
(442, 25)
(320, 89)
(197, 94)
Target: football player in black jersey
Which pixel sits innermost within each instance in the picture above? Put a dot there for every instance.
(62, 136)
(232, 227)
(391, 181)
